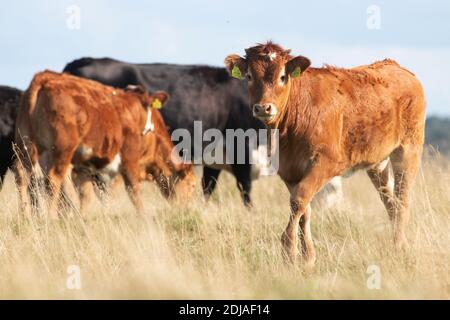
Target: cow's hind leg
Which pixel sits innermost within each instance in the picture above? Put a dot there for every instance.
(383, 180)
(405, 163)
(69, 200)
(56, 169)
(26, 158)
(83, 182)
(23, 176)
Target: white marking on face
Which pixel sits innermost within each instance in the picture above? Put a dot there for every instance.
(149, 126)
(272, 55)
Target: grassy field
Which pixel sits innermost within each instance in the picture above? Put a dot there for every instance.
(222, 250)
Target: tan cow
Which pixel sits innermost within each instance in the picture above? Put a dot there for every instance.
(333, 121)
(65, 121)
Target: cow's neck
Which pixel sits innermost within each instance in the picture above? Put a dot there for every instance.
(296, 126)
(298, 118)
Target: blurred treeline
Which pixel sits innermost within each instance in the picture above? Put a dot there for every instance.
(437, 134)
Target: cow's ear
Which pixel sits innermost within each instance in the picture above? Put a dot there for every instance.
(297, 65)
(159, 99)
(236, 65)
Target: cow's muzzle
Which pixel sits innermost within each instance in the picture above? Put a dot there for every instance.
(265, 111)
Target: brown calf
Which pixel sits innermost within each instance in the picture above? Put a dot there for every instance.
(333, 121)
(65, 121)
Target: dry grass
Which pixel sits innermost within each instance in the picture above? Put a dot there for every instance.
(222, 250)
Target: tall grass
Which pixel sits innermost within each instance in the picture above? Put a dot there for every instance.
(220, 249)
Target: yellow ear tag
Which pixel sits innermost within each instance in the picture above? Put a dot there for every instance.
(156, 104)
(236, 73)
(297, 71)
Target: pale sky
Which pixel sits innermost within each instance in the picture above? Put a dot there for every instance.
(34, 35)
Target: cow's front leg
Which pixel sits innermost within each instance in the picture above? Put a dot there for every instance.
(301, 195)
(132, 185)
(131, 169)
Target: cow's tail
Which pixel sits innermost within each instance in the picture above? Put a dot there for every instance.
(26, 107)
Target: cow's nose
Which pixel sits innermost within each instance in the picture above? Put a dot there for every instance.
(262, 108)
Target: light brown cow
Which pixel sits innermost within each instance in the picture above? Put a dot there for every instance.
(333, 121)
(65, 121)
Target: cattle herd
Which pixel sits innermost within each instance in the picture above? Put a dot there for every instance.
(101, 120)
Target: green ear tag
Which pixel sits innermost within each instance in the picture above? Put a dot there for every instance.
(236, 73)
(296, 72)
(156, 104)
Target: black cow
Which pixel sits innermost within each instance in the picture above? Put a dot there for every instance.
(9, 103)
(197, 93)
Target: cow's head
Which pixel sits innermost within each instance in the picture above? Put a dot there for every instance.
(269, 70)
(182, 184)
(149, 102)
(175, 179)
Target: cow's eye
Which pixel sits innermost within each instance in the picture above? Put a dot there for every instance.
(249, 77)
